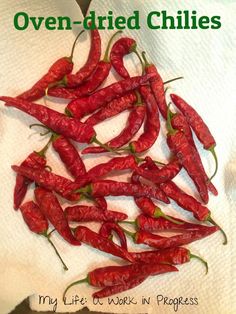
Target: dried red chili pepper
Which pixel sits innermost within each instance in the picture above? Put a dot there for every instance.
(108, 291)
(83, 213)
(122, 47)
(157, 87)
(175, 256)
(89, 237)
(178, 143)
(49, 180)
(146, 204)
(101, 202)
(106, 230)
(57, 122)
(180, 123)
(69, 155)
(51, 208)
(35, 160)
(94, 81)
(198, 125)
(72, 80)
(166, 173)
(151, 126)
(114, 275)
(113, 108)
(133, 124)
(114, 188)
(56, 72)
(150, 224)
(37, 223)
(160, 242)
(80, 107)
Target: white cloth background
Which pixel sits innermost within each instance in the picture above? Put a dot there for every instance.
(206, 59)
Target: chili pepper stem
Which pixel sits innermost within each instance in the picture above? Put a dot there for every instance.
(170, 129)
(106, 55)
(212, 150)
(222, 231)
(55, 249)
(200, 259)
(74, 284)
(50, 233)
(174, 79)
(45, 148)
(129, 233)
(140, 59)
(128, 222)
(42, 126)
(159, 213)
(74, 44)
(95, 140)
(146, 63)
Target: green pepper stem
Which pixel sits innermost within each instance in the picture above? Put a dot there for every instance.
(170, 129)
(174, 79)
(42, 126)
(128, 222)
(140, 59)
(45, 148)
(55, 249)
(131, 234)
(222, 231)
(200, 259)
(106, 147)
(139, 99)
(146, 63)
(212, 150)
(74, 284)
(106, 55)
(159, 213)
(74, 44)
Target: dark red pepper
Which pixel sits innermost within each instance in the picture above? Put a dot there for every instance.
(37, 223)
(80, 107)
(106, 230)
(95, 240)
(113, 108)
(83, 213)
(134, 123)
(57, 122)
(198, 125)
(49, 205)
(122, 47)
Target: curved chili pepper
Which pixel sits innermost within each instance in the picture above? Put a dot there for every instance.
(113, 108)
(151, 126)
(80, 107)
(160, 242)
(180, 123)
(175, 256)
(114, 188)
(166, 173)
(157, 87)
(94, 81)
(72, 80)
(69, 155)
(56, 72)
(58, 122)
(49, 205)
(122, 47)
(37, 223)
(178, 143)
(106, 231)
(89, 237)
(34, 160)
(150, 224)
(83, 213)
(198, 125)
(146, 204)
(108, 291)
(49, 180)
(133, 124)
(110, 276)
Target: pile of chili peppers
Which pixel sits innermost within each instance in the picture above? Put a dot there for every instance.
(149, 181)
